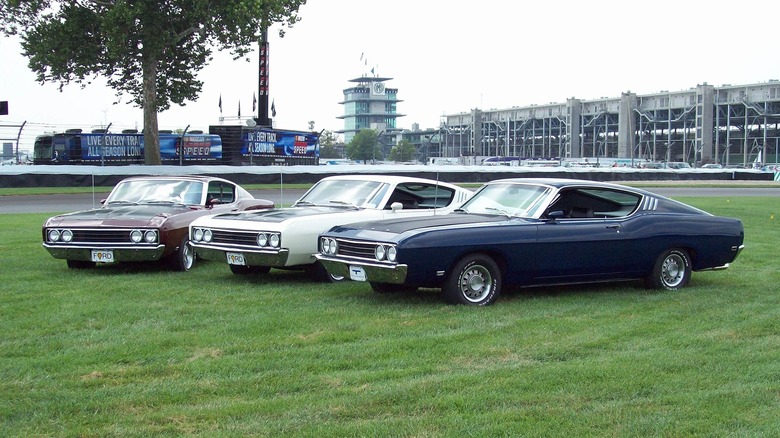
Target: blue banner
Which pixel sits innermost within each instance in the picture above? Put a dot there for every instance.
(275, 142)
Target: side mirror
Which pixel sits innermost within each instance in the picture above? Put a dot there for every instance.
(395, 206)
(555, 215)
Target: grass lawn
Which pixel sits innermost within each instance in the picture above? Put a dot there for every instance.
(140, 351)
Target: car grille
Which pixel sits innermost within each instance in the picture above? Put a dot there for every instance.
(234, 237)
(101, 236)
(361, 250)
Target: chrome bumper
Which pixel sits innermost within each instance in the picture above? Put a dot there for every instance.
(121, 254)
(258, 257)
(375, 272)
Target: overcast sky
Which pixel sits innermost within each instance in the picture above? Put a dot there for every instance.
(445, 57)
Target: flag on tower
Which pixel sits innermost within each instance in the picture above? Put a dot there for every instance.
(220, 103)
(239, 108)
(273, 108)
(254, 102)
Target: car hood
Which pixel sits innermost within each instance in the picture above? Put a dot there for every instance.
(126, 215)
(279, 215)
(403, 225)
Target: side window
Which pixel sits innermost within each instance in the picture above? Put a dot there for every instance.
(222, 191)
(421, 196)
(595, 203)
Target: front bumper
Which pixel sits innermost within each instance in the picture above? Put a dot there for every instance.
(375, 272)
(252, 257)
(121, 254)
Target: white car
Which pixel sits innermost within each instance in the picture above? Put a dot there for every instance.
(287, 238)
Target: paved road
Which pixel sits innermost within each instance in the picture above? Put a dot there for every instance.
(66, 203)
(84, 201)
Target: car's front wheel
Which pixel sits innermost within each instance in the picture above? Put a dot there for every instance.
(672, 271)
(388, 288)
(183, 259)
(80, 264)
(474, 280)
(318, 273)
(248, 270)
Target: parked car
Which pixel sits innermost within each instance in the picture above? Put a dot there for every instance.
(144, 218)
(678, 165)
(535, 232)
(712, 166)
(286, 238)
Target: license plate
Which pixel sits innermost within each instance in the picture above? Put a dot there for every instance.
(236, 258)
(102, 256)
(357, 273)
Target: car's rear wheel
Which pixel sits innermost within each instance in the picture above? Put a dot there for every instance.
(474, 280)
(80, 264)
(388, 288)
(672, 271)
(248, 270)
(183, 259)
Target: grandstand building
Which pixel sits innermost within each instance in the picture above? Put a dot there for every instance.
(705, 124)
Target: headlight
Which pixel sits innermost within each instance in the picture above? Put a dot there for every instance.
(379, 252)
(197, 234)
(207, 235)
(66, 235)
(136, 236)
(150, 236)
(274, 239)
(54, 235)
(329, 246)
(262, 239)
(392, 253)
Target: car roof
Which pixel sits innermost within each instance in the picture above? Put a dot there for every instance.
(384, 178)
(202, 178)
(558, 182)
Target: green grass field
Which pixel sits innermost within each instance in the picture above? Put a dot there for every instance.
(140, 351)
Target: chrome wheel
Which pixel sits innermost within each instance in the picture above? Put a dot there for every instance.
(474, 280)
(673, 270)
(475, 283)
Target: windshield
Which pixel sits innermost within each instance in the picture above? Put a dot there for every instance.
(344, 192)
(157, 191)
(522, 200)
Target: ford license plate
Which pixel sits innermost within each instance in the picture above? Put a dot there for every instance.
(102, 256)
(236, 258)
(357, 273)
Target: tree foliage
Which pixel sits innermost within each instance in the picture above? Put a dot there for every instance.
(148, 49)
(364, 146)
(328, 141)
(404, 151)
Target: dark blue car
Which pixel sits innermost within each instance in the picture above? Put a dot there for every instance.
(535, 232)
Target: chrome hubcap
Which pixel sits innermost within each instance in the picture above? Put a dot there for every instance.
(673, 270)
(475, 283)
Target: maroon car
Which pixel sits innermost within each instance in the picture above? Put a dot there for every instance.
(144, 218)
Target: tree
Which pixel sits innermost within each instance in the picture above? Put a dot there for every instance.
(404, 151)
(364, 146)
(151, 50)
(328, 141)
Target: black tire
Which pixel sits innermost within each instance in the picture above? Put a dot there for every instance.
(672, 271)
(183, 259)
(249, 270)
(474, 280)
(318, 273)
(388, 288)
(80, 264)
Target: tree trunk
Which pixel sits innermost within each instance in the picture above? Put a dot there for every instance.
(151, 129)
